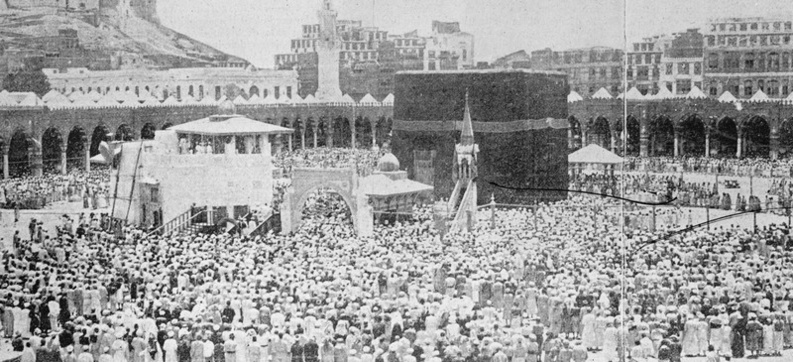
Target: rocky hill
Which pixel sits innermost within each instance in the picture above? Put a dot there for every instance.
(102, 38)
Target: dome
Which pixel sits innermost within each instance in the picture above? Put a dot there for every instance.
(227, 108)
(388, 163)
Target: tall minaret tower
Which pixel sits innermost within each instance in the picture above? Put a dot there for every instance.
(328, 50)
(464, 173)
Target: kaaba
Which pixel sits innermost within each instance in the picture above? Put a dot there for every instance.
(519, 119)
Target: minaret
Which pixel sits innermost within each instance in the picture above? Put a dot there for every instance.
(465, 173)
(466, 151)
(328, 51)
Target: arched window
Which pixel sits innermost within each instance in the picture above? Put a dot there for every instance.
(201, 91)
(254, 90)
(190, 90)
(713, 61)
(118, 89)
(761, 85)
(137, 91)
(785, 60)
(747, 88)
(748, 61)
(178, 92)
(773, 88)
(773, 61)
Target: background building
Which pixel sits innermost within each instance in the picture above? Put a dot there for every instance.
(370, 57)
(644, 64)
(746, 55)
(681, 64)
(588, 69)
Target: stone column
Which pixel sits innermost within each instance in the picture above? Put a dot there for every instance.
(774, 144)
(613, 142)
(352, 132)
(739, 148)
(569, 138)
(677, 144)
(303, 138)
(583, 138)
(644, 141)
(374, 134)
(64, 161)
(87, 147)
(707, 143)
(291, 135)
(36, 162)
(6, 148)
(315, 136)
(279, 144)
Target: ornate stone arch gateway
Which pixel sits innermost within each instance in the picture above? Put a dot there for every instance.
(344, 181)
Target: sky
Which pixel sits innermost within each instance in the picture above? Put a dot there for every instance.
(258, 29)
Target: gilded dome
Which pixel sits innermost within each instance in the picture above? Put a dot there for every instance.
(388, 163)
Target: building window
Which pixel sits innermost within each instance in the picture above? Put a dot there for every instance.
(614, 89)
(761, 85)
(682, 68)
(748, 62)
(747, 88)
(615, 72)
(714, 91)
(711, 41)
(697, 68)
(289, 91)
(648, 58)
(773, 88)
(643, 72)
(155, 194)
(465, 54)
(683, 86)
(713, 61)
(669, 68)
(603, 73)
(773, 61)
(277, 92)
(784, 90)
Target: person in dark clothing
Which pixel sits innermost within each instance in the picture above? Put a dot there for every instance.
(44, 317)
(183, 350)
(228, 313)
(297, 352)
(311, 351)
(17, 344)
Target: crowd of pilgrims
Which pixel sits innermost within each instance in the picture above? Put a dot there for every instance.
(760, 167)
(553, 290)
(665, 187)
(92, 188)
(364, 160)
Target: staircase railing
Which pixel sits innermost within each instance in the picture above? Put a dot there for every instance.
(179, 223)
(272, 223)
(461, 216)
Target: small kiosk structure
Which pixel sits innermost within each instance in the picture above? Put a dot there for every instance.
(390, 191)
(219, 166)
(593, 158)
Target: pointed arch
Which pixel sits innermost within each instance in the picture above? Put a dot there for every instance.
(691, 135)
(757, 137)
(662, 137)
(19, 154)
(599, 133)
(726, 137)
(51, 148)
(99, 135)
(75, 147)
(147, 132)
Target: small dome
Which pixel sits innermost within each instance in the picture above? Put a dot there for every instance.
(227, 108)
(388, 163)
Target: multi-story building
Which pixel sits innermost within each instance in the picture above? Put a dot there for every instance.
(179, 83)
(588, 69)
(644, 64)
(369, 57)
(746, 55)
(682, 62)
